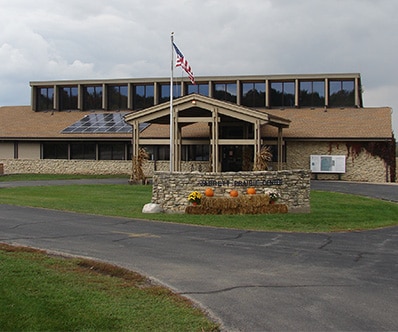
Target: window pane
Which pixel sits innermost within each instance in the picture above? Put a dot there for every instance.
(83, 151)
(164, 94)
(341, 93)
(253, 94)
(225, 91)
(312, 93)
(282, 94)
(117, 97)
(276, 94)
(111, 151)
(45, 99)
(68, 98)
(92, 97)
(143, 96)
(318, 92)
(334, 87)
(305, 97)
(231, 92)
(288, 94)
(55, 151)
(201, 89)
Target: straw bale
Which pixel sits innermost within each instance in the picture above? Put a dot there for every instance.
(245, 204)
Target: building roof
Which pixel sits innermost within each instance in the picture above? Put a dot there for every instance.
(334, 123)
(20, 122)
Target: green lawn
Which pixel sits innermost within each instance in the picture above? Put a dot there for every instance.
(329, 211)
(43, 293)
(37, 177)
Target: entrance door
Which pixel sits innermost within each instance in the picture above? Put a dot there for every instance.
(231, 158)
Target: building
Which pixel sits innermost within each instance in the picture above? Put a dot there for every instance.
(220, 124)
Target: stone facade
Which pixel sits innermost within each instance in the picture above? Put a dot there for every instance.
(63, 166)
(362, 167)
(170, 190)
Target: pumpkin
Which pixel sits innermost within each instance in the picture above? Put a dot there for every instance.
(209, 192)
(251, 191)
(233, 193)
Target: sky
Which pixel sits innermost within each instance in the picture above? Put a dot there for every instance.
(98, 39)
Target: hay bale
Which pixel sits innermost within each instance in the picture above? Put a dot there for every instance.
(245, 204)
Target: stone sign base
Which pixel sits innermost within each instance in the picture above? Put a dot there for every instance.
(171, 190)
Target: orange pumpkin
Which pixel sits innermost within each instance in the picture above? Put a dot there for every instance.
(209, 192)
(251, 191)
(233, 193)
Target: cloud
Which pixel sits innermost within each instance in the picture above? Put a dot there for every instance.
(51, 40)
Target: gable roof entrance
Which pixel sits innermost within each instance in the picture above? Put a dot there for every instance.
(196, 108)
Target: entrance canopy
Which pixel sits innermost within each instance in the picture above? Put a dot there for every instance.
(229, 124)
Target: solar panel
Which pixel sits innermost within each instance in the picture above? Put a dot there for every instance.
(102, 123)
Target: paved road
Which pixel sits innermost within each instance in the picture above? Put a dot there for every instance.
(387, 191)
(252, 281)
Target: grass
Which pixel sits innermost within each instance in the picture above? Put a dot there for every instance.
(329, 211)
(43, 293)
(38, 177)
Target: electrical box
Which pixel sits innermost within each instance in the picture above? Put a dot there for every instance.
(328, 164)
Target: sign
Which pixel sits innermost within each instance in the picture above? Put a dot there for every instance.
(239, 183)
(328, 164)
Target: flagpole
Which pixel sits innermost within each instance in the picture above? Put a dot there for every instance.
(171, 107)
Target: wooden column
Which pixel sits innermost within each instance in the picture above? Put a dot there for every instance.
(257, 139)
(214, 142)
(136, 138)
(280, 151)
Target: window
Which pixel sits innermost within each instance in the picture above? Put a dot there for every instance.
(282, 94)
(55, 150)
(68, 98)
(274, 152)
(201, 89)
(312, 93)
(225, 91)
(158, 152)
(92, 97)
(341, 93)
(196, 153)
(111, 151)
(82, 151)
(143, 96)
(253, 94)
(45, 99)
(164, 92)
(117, 97)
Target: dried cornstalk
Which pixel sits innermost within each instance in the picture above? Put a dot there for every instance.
(262, 159)
(138, 161)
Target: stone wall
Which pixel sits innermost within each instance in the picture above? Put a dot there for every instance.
(62, 166)
(363, 167)
(171, 190)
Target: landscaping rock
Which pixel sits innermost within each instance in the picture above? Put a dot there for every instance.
(152, 208)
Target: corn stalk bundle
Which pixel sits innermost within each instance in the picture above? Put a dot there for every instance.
(262, 159)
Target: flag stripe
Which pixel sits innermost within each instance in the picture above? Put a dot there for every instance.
(183, 63)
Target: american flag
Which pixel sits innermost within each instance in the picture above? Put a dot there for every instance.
(181, 61)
